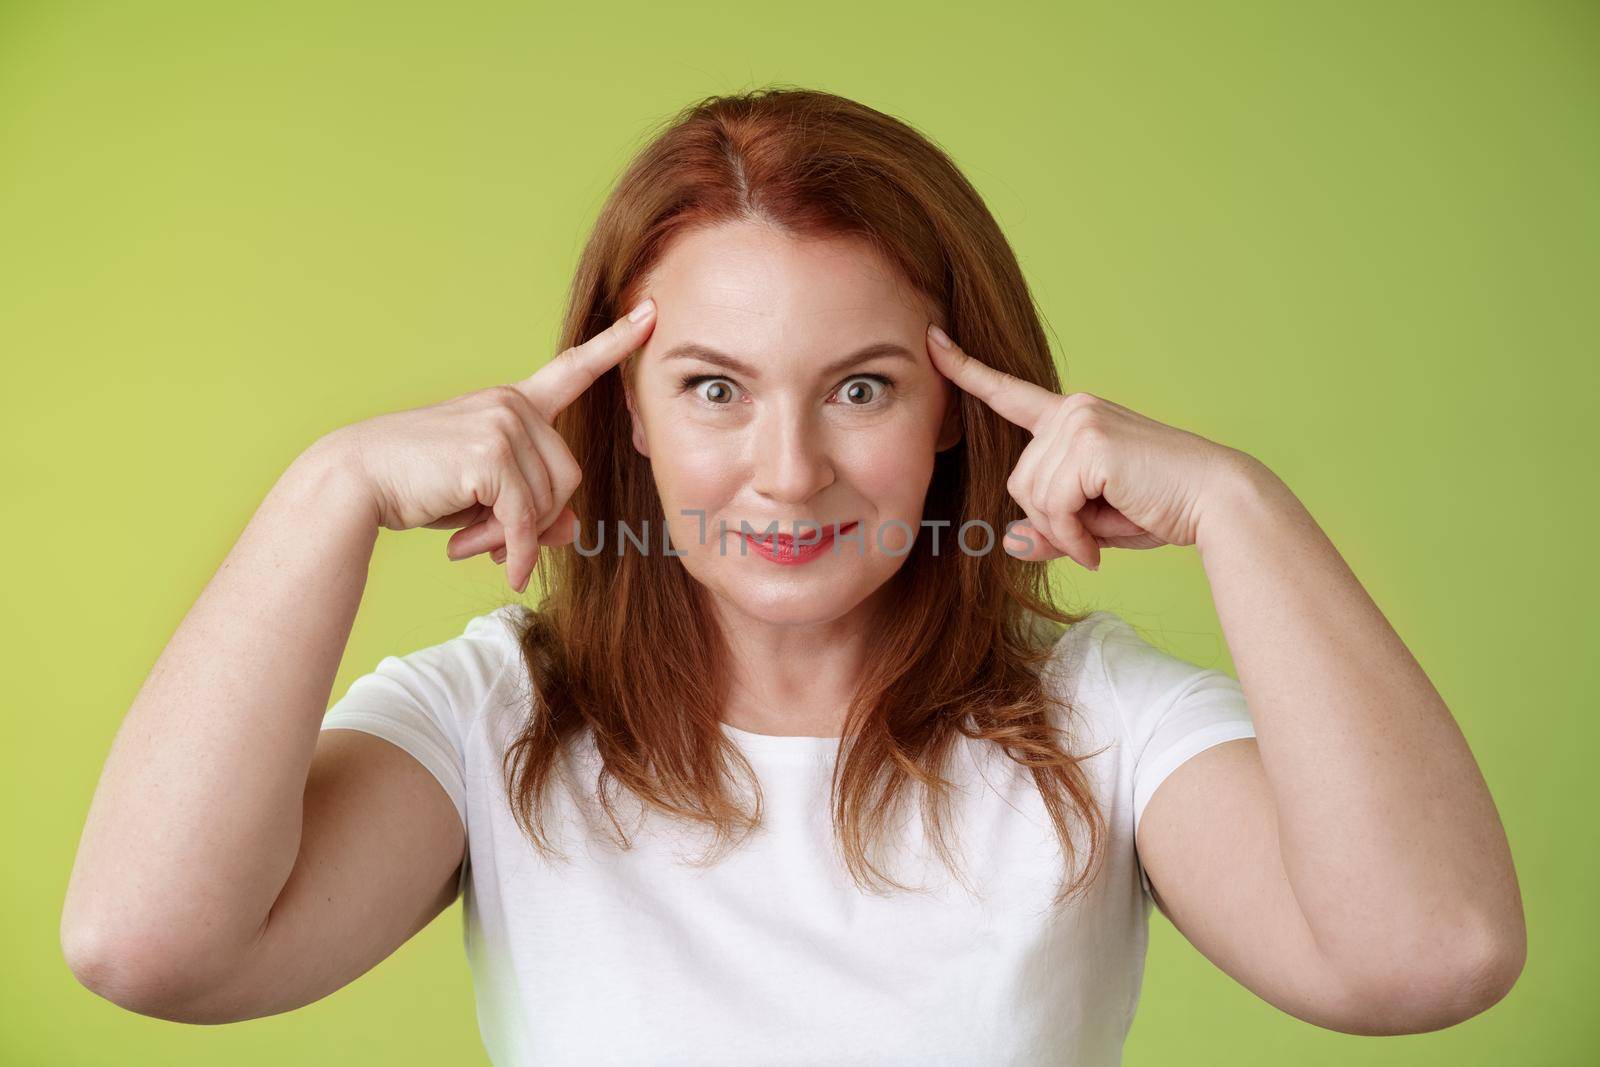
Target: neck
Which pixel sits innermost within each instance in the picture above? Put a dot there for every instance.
(794, 679)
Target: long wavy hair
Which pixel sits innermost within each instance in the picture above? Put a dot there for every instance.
(961, 653)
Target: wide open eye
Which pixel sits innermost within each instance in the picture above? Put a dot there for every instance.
(856, 392)
(721, 395)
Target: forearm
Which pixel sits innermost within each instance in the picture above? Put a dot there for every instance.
(195, 824)
(1389, 836)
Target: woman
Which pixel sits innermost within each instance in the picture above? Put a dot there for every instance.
(792, 763)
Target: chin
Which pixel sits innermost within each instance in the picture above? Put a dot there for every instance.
(798, 599)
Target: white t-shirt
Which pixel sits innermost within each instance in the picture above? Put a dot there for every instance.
(773, 955)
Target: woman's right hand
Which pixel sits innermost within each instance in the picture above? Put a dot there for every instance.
(490, 462)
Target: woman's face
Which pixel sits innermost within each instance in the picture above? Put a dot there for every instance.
(788, 380)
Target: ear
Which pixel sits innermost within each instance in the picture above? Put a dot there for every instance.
(950, 428)
(640, 443)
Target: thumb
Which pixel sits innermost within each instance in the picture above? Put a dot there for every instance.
(563, 531)
(1025, 542)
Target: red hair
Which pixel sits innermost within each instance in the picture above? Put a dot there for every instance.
(960, 655)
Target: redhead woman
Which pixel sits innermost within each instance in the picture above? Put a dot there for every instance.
(793, 758)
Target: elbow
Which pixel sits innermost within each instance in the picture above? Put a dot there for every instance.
(143, 979)
(1488, 979)
(1446, 990)
(104, 968)
(1445, 1001)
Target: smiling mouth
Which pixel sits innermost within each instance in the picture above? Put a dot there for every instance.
(825, 529)
(781, 548)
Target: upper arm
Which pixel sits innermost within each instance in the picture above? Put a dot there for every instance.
(1208, 840)
(1206, 828)
(380, 851)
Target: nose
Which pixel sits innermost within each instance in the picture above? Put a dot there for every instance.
(792, 461)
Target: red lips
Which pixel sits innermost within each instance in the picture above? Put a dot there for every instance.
(781, 547)
(807, 527)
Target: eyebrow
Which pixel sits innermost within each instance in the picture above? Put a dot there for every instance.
(694, 350)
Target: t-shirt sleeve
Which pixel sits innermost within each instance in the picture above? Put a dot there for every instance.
(1171, 709)
(424, 701)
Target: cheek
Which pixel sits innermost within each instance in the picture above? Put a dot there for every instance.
(692, 466)
(889, 465)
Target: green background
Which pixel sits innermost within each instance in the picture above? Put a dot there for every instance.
(1357, 240)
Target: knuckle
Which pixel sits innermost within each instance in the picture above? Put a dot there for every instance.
(543, 498)
(475, 483)
(1085, 417)
(487, 399)
(494, 448)
(566, 472)
(563, 485)
(1055, 504)
(507, 398)
(1090, 432)
(504, 422)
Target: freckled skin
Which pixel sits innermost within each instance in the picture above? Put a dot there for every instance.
(789, 442)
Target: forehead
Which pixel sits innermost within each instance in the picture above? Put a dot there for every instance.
(745, 284)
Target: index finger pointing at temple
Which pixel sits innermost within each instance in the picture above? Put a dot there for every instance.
(1013, 399)
(561, 381)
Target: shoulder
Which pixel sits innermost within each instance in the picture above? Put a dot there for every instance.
(482, 649)
(1076, 656)
(487, 656)
(1105, 666)
(452, 679)
(503, 626)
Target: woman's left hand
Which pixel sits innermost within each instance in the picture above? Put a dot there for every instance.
(1095, 474)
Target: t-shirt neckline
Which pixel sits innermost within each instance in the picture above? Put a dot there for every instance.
(796, 745)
